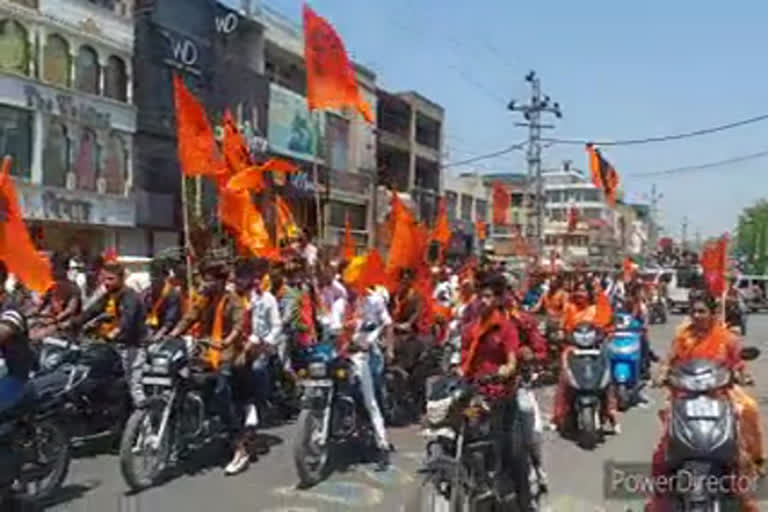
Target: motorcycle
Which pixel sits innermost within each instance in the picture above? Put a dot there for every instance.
(624, 346)
(588, 375)
(657, 311)
(332, 413)
(703, 433)
(461, 462)
(178, 412)
(88, 376)
(552, 331)
(34, 449)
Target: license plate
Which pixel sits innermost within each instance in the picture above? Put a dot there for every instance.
(586, 352)
(156, 381)
(702, 408)
(317, 383)
(434, 433)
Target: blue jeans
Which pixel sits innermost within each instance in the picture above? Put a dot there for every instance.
(12, 390)
(376, 362)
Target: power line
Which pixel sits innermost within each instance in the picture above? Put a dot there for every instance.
(702, 167)
(514, 147)
(665, 138)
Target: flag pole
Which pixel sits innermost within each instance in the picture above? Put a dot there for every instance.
(316, 179)
(187, 243)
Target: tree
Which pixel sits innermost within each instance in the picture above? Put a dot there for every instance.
(752, 237)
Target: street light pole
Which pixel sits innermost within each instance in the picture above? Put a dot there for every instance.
(532, 113)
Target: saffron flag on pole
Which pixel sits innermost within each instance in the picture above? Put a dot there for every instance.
(331, 81)
(714, 263)
(347, 245)
(500, 204)
(198, 154)
(286, 224)
(603, 174)
(16, 248)
(442, 232)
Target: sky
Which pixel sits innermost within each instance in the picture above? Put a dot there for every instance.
(619, 70)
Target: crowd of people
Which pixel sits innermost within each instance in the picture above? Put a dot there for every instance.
(255, 314)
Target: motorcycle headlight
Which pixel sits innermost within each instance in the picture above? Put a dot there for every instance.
(160, 364)
(317, 370)
(52, 360)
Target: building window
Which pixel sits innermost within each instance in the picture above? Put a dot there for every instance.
(87, 72)
(56, 61)
(116, 171)
(481, 210)
(466, 207)
(56, 155)
(451, 202)
(337, 134)
(516, 200)
(592, 195)
(427, 207)
(339, 211)
(16, 139)
(87, 165)
(115, 81)
(14, 47)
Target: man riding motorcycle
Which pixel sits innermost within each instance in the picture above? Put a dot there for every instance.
(218, 316)
(125, 324)
(490, 345)
(706, 337)
(163, 302)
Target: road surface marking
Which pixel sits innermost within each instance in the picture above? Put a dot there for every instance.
(351, 494)
(393, 477)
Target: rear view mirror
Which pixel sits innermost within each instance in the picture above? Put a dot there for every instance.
(750, 353)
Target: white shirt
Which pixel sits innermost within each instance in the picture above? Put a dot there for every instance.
(375, 310)
(310, 254)
(334, 301)
(266, 324)
(444, 289)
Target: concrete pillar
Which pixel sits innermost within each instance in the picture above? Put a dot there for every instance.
(38, 143)
(72, 66)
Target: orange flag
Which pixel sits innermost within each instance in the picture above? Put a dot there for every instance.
(198, 154)
(500, 204)
(603, 312)
(714, 263)
(480, 230)
(331, 81)
(280, 165)
(347, 245)
(373, 272)
(604, 176)
(629, 269)
(442, 231)
(405, 239)
(238, 213)
(286, 224)
(16, 248)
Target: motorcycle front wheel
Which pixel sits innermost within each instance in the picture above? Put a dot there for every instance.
(143, 454)
(310, 456)
(46, 463)
(624, 397)
(588, 434)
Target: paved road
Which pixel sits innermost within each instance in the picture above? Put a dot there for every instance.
(576, 476)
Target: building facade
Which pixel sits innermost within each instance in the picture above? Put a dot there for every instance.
(68, 120)
(338, 144)
(409, 149)
(468, 200)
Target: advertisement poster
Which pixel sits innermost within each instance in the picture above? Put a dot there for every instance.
(292, 130)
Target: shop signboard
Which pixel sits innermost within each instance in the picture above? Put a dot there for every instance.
(293, 131)
(60, 205)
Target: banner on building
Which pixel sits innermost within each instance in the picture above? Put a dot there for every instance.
(292, 130)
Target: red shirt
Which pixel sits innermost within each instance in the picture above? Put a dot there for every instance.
(491, 352)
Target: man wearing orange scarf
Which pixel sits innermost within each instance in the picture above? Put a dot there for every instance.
(220, 315)
(490, 344)
(162, 301)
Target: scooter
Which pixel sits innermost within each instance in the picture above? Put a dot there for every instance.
(587, 368)
(625, 352)
(703, 434)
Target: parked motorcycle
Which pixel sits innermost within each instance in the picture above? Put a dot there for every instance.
(178, 412)
(703, 436)
(34, 449)
(624, 346)
(461, 464)
(332, 413)
(587, 368)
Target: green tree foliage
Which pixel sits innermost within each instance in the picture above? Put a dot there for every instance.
(752, 237)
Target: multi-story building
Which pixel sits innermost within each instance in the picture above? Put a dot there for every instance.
(409, 149)
(468, 199)
(340, 144)
(594, 238)
(68, 120)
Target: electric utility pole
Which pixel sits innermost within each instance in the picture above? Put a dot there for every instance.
(685, 233)
(654, 225)
(532, 113)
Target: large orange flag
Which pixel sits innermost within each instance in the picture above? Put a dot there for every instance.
(442, 232)
(238, 213)
(714, 263)
(373, 272)
(603, 174)
(331, 81)
(16, 248)
(198, 154)
(500, 204)
(347, 245)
